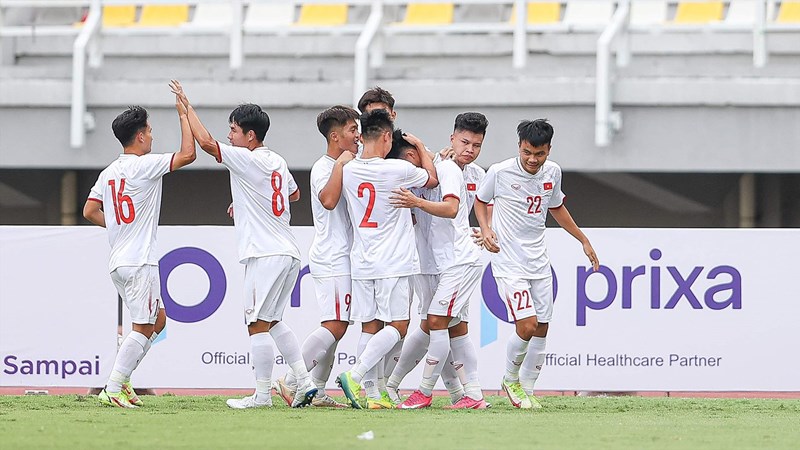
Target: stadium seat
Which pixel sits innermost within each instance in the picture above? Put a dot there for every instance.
(698, 12)
(540, 13)
(163, 15)
(646, 13)
(429, 14)
(269, 15)
(789, 13)
(322, 15)
(596, 12)
(212, 15)
(119, 16)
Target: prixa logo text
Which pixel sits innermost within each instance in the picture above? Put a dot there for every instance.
(724, 290)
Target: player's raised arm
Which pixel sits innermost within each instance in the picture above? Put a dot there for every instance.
(188, 152)
(564, 218)
(403, 198)
(199, 131)
(427, 164)
(330, 194)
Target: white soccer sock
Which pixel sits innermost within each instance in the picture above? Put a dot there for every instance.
(434, 360)
(532, 364)
(380, 374)
(286, 342)
(263, 356)
(316, 346)
(322, 372)
(146, 349)
(130, 353)
(465, 361)
(392, 358)
(378, 346)
(414, 348)
(450, 378)
(314, 350)
(515, 353)
(363, 340)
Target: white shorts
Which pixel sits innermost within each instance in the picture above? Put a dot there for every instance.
(527, 298)
(334, 295)
(140, 289)
(268, 285)
(384, 299)
(424, 288)
(456, 286)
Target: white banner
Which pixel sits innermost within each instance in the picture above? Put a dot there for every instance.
(58, 307)
(708, 310)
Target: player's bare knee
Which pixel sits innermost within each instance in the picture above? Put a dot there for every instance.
(438, 322)
(423, 325)
(144, 328)
(371, 327)
(459, 329)
(337, 328)
(161, 321)
(541, 330)
(527, 327)
(401, 326)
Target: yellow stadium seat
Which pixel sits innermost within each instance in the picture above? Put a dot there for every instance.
(119, 16)
(698, 12)
(540, 13)
(429, 14)
(322, 15)
(789, 13)
(164, 15)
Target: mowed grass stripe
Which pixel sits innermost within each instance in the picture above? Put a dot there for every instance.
(566, 422)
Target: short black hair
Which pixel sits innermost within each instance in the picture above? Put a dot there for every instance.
(399, 144)
(535, 132)
(375, 95)
(337, 116)
(471, 121)
(128, 123)
(251, 117)
(374, 123)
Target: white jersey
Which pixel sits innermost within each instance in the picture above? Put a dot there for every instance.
(451, 238)
(333, 235)
(130, 191)
(521, 201)
(260, 185)
(422, 235)
(473, 177)
(383, 238)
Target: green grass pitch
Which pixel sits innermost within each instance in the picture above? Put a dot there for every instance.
(79, 422)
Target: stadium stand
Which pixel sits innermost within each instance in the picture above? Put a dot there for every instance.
(690, 67)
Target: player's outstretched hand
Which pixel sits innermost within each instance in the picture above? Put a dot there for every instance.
(447, 153)
(182, 111)
(589, 250)
(177, 89)
(345, 157)
(413, 140)
(490, 242)
(403, 198)
(476, 237)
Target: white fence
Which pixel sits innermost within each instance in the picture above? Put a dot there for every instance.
(671, 309)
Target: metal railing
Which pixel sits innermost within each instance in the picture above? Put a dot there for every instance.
(368, 51)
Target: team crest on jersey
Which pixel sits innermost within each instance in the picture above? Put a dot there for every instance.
(515, 186)
(471, 186)
(548, 186)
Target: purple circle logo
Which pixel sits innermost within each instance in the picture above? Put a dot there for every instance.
(216, 280)
(491, 297)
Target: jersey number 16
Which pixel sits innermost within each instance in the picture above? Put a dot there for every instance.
(120, 199)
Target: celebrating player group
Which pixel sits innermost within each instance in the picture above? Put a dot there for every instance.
(391, 222)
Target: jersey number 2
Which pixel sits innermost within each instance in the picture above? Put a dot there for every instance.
(120, 199)
(365, 222)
